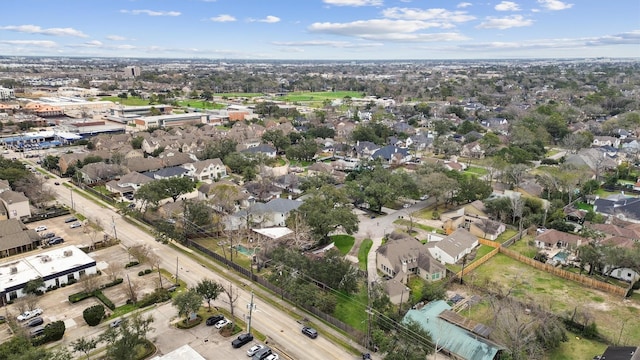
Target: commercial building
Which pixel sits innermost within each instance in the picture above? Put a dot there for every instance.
(6, 94)
(132, 71)
(55, 267)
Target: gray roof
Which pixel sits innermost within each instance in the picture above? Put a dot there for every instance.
(389, 151)
(174, 171)
(406, 249)
(12, 197)
(279, 205)
(456, 243)
(13, 234)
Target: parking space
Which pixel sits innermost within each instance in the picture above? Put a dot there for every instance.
(83, 235)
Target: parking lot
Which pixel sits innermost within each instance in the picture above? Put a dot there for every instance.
(80, 236)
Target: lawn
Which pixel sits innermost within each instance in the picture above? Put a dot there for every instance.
(525, 247)
(477, 170)
(130, 101)
(584, 206)
(506, 235)
(344, 243)
(577, 348)
(416, 225)
(561, 296)
(320, 96)
(363, 253)
(352, 309)
(604, 193)
(201, 104)
(237, 95)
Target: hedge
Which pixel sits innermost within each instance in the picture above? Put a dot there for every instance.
(93, 315)
(105, 300)
(158, 295)
(74, 298)
(113, 283)
(133, 263)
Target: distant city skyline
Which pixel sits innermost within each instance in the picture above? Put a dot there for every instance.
(321, 29)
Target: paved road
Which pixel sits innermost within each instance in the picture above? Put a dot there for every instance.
(278, 326)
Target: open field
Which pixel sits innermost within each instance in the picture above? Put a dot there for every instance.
(201, 104)
(562, 296)
(320, 96)
(130, 101)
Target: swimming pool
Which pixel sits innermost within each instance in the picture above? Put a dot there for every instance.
(561, 256)
(243, 250)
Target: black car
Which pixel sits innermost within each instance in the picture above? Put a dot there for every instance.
(214, 319)
(241, 340)
(70, 220)
(310, 332)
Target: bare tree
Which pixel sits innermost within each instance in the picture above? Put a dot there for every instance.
(132, 290)
(113, 271)
(31, 301)
(301, 231)
(233, 297)
(89, 283)
(140, 253)
(154, 261)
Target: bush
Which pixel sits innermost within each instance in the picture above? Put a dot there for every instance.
(133, 263)
(113, 283)
(159, 295)
(52, 332)
(140, 273)
(148, 271)
(93, 315)
(108, 303)
(74, 298)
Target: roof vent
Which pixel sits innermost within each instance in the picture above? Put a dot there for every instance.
(13, 270)
(67, 253)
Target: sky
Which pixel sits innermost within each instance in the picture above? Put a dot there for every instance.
(321, 29)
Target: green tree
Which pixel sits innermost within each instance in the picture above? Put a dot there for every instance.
(406, 341)
(378, 186)
(93, 315)
(175, 187)
(85, 345)
(32, 286)
(304, 150)
(187, 302)
(218, 149)
(125, 341)
(136, 142)
(277, 139)
(197, 216)
(209, 290)
(327, 210)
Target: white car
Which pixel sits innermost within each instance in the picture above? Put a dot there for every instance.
(222, 323)
(254, 349)
(29, 314)
(75, 225)
(41, 228)
(273, 356)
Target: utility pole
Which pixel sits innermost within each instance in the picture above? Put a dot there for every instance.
(251, 306)
(72, 206)
(113, 223)
(176, 270)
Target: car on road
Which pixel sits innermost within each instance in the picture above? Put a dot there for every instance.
(29, 314)
(115, 323)
(212, 320)
(36, 321)
(41, 228)
(254, 349)
(75, 225)
(242, 340)
(222, 323)
(310, 332)
(70, 220)
(273, 356)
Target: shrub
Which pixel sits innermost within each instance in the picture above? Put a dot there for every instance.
(140, 273)
(158, 295)
(74, 298)
(133, 263)
(93, 315)
(148, 271)
(113, 283)
(52, 332)
(108, 303)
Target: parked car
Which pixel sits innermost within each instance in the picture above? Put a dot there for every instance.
(36, 321)
(222, 323)
(262, 354)
(41, 228)
(29, 314)
(254, 349)
(241, 340)
(115, 323)
(310, 332)
(56, 183)
(212, 320)
(55, 241)
(273, 356)
(173, 287)
(48, 235)
(70, 220)
(37, 331)
(75, 225)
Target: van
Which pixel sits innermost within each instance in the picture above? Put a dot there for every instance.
(37, 331)
(262, 354)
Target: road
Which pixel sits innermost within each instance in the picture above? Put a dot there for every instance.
(269, 320)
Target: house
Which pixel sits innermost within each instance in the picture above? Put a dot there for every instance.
(553, 238)
(267, 150)
(364, 149)
(55, 267)
(224, 196)
(263, 215)
(487, 229)
(392, 154)
(100, 172)
(620, 353)
(472, 150)
(15, 204)
(454, 247)
(129, 183)
(143, 165)
(597, 161)
(168, 173)
(210, 169)
(624, 208)
(15, 238)
(401, 258)
(469, 342)
(606, 141)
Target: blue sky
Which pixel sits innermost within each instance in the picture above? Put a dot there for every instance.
(321, 29)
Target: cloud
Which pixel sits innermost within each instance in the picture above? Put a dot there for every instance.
(35, 29)
(328, 43)
(386, 29)
(427, 14)
(355, 3)
(507, 6)
(269, 19)
(116, 38)
(505, 22)
(151, 12)
(632, 37)
(463, 5)
(223, 18)
(554, 5)
(36, 43)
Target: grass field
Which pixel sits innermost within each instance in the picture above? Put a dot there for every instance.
(352, 309)
(477, 170)
(562, 296)
(201, 104)
(363, 251)
(344, 243)
(130, 101)
(506, 235)
(320, 96)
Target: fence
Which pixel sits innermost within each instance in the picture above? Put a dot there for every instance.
(593, 283)
(47, 215)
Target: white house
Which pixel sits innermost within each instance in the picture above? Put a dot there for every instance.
(55, 267)
(454, 247)
(209, 169)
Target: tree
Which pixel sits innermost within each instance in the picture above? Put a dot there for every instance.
(139, 252)
(304, 150)
(188, 302)
(85, 345)
(124, 341)
(377, 186)
(406, 341)
(209, 290)
(32, 286)
(89, 283)
(232, 297)
(175, 187)
(218, 149)
(197, 217)
(93, 315)
(327, 210)
(277, 139)
(437, 185)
